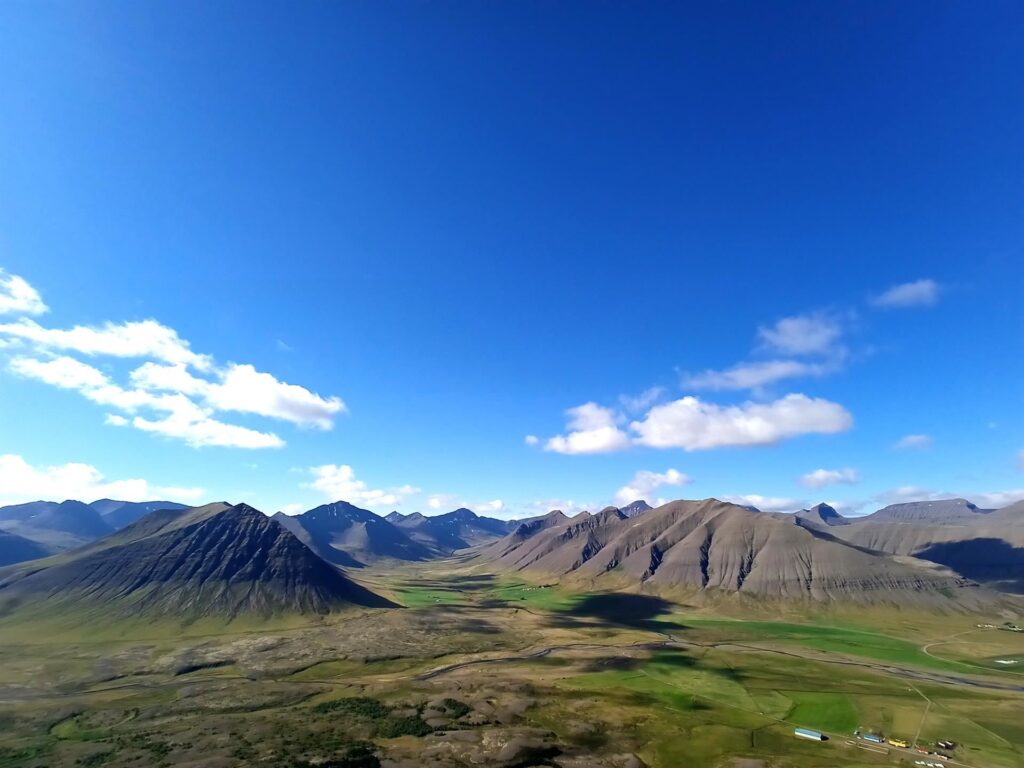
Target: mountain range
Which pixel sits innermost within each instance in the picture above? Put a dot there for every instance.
(712, 546)
(163, 558)
(214, 560)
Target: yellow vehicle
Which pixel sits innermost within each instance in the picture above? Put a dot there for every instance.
(898, 743)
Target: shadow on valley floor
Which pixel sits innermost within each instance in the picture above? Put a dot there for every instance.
(619, 610)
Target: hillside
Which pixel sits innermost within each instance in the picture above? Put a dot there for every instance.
(18, 549)
(346, 535)
(712, 546)
(216, 560)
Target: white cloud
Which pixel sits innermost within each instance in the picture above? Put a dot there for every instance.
(190, 423)
(755, 375)
(183, 418)
(569, 507)
(912, 442)
(531, 440)
(247, 390)
(694, 425)
(18, 297)
(185, 403)
(643, 401)
(644, 483)
(915, 294)
(767, 503)
(63, 372)
(147, 338)
(21, 482)
(168, 378)
(244, 389)
(592, 429)
(820, 478)
(293, 509)
(811, 334)
(446, 502)
(339, 483)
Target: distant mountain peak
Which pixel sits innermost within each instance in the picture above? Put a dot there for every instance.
(461, 514)
(929, 510)
(635, 508)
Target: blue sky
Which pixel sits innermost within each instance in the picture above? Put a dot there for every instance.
(515, 256)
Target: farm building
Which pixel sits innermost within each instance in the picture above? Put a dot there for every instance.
(807, 733)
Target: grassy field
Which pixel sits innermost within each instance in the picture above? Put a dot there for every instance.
(480, 665)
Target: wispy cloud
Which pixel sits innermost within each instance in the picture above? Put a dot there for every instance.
(913, 442)
(811, 334)
(18, 297)
(919, 293)
(756, 375)
(815, 335)
(820, 478)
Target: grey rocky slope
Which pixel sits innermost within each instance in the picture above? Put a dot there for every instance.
(822, 514)
(455, 530)
(711, 546)
(984, 545)
(346, 535)
(217, 560)
(933, 511)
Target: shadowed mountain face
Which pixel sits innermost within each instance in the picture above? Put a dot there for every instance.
(822, 514)
(346, 535)
(455, 530)
(71, 517)
(712, 545)
(216, 560)
(981, 544)
(58, 526)
(635, 508)
(121, 513)
(17, 549)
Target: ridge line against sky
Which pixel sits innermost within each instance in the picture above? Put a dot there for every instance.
(512, 256)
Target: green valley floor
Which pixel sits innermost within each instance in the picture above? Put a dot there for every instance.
(482, 669)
